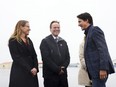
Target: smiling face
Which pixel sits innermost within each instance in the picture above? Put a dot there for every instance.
(83, 23)
(84, 20)
(55, 28)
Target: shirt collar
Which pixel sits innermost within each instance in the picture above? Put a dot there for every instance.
(55, 37)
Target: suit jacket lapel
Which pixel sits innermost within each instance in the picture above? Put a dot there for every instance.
(52, 39)
(89, 32)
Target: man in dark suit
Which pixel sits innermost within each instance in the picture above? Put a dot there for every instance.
(55, 57)
(96, 54)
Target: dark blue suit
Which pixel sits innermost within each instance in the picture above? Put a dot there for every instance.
(96, 55)
(54, 55)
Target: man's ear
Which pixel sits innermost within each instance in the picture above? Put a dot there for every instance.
(87, 21)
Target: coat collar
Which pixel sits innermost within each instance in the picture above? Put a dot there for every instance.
(26, 46)
(52, 38)
(89, 32)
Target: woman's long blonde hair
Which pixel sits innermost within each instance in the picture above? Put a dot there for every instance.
(17, 31)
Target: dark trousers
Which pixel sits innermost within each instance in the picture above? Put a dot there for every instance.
(99, 82)
(56, 81)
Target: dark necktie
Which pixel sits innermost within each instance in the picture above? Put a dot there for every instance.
(56, 39)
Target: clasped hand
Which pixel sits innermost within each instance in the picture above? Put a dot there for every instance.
(34, 71)
(61, 70)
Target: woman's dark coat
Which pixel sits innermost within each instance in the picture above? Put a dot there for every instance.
(24, 59)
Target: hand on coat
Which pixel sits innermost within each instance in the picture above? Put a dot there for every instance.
(62, 70)
(34, 71)
(103, 74)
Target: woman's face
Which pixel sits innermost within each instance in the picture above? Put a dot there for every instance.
(25, 29)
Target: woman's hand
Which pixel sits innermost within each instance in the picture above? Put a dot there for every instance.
(34, 71)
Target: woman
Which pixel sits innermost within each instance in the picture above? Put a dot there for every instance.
(25, 64)
(83, 78)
